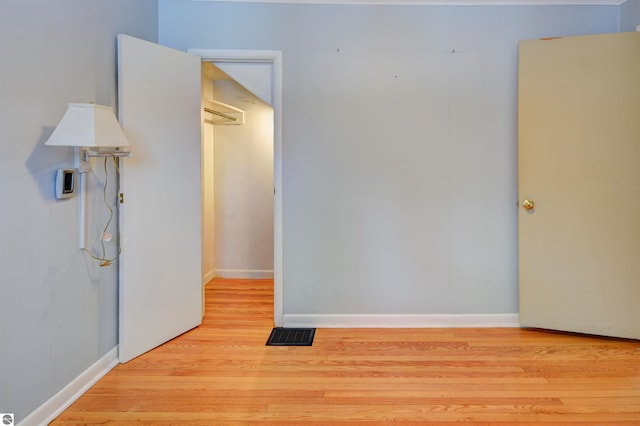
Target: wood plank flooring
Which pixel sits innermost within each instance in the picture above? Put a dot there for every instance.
(223, 374)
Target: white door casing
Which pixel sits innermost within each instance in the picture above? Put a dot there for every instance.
(160, 220)
(239, 64)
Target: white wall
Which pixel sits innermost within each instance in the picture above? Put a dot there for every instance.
(59, 308)
(243, 187)
(629, 15)
(399, 145)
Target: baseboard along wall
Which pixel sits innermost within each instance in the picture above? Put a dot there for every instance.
(402, 321)
(242, 273)
(59, 402)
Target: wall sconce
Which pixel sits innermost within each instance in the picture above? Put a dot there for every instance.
(93, 131)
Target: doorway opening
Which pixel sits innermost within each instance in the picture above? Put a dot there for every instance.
(260, 74)
(237, 180)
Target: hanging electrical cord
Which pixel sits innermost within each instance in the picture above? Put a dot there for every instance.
(106, 236)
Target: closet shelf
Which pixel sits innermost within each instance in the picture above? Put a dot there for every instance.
(221, 113)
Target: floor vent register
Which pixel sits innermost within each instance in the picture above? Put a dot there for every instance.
(282, 336)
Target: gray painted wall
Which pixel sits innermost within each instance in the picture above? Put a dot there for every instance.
(399, 145)
(629, 15)
(59, 308)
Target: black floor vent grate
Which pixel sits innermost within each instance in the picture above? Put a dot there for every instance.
(281, 336)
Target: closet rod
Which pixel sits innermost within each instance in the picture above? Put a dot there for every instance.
(220, 114)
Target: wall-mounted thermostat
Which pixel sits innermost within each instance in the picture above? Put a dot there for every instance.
(65, 183)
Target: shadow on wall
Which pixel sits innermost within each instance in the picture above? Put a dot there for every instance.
(43, 162)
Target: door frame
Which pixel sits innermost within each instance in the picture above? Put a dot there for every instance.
(273, 57)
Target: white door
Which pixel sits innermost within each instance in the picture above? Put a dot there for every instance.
(160, 219)
(579, 150)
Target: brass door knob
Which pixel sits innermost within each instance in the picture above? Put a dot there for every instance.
(528, 204)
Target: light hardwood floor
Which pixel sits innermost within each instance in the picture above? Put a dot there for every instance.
(223, 374)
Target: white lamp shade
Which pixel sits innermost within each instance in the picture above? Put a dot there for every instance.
(88, 125)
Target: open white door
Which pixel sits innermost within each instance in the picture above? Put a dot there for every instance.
(579, 150)
(160, 219)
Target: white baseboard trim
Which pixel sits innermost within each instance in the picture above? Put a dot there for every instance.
(59, 402)
(241, 273)
(208, 277)
(402, 321)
